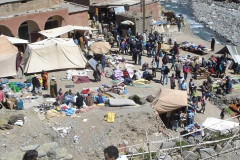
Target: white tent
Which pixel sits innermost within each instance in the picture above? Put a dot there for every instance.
(216, 124)
(15, 40)
(52, 33)
(8, 56)
(52, 54)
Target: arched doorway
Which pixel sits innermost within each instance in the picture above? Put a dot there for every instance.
(54, 22)
(5, 31)
(28, 29)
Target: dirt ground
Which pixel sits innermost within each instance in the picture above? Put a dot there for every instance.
(130, 126)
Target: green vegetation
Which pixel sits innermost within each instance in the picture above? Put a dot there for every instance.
(228, 110)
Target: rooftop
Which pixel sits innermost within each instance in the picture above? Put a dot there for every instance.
(10, 1)
(119, 3)
(72, 7)
(131, 14)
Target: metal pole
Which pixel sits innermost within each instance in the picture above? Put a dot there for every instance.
(143, 15)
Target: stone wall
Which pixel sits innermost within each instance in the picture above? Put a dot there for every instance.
(150, 8)
(222, 18)
(18, 7)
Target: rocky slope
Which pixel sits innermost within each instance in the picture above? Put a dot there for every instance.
(223, 18)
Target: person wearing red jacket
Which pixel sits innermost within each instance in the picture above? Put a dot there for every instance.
(185, 71)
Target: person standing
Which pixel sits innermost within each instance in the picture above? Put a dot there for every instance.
(53, 87)
(190, 85)
(44, 76)
(148, 48)
(98, 71)
(139, 58)
(79, 101)
(172, 80)
(162, 73)
(194, 94)
(176, 119)
(185, 71)
(129, 32)
(213, 43)
(178, 67)
(179, 26)
(190, 116)
(123, 46)
(154, 65)
(173, 60)
(204, 63)
(165, 59)
(165, 76)
(168, 115)
(81, 42)
(184, 86)
(203, 103)
(118, 39)
(135, 55)
(157, 60)
(111, 40)
(222, 114)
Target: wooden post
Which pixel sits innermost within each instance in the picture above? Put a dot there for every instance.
(143, 15)
(148, 144)
(180, 139)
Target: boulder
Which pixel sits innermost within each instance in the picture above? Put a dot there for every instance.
(67, 157)
(206, 152)
(236, 143)
(226, 147)
(217, 148)
(189, 155)
(191, 140)
(150, 98)
(132, 150)
(13, 155)
(52, 154)
(165, 145)
(30, 147)
(61, 153)
(45, 148)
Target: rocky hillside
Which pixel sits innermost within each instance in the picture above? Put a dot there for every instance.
(221, 17)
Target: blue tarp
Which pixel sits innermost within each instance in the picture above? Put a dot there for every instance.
(160, 22)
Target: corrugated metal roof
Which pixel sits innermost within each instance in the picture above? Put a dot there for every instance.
(10, 1)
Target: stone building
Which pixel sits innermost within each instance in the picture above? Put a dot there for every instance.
(137, 19)
(25, 18)
(104, 6)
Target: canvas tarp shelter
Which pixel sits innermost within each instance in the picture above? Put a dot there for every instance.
(233, 50)
(52, 54)
(216, 124)
(8, 56)
(168, 100)
(55, 32)
(15, 40)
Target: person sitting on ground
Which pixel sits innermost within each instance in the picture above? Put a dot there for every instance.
(89, 100)
(111, 153)
(60, 92)
(1, 97)
(125, 73)
(145, 66)
(103, 89)
(228, 86)
(204, 63)
(79, 101)
(145, 74)
(127, 80)
(30, 155)
(100, 98)
(11, 102)
(136, 75)
(211, 70)
(36, 84)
